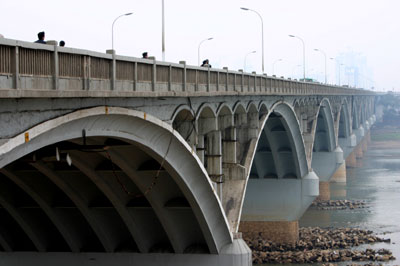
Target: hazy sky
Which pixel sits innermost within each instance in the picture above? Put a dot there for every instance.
(368, 27)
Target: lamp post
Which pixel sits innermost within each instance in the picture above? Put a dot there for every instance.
(262, 35)
(112, 29)
(273, 65)
(163, 32)
(319, 50)
(340, 72)
(245, 58)
(304, 55)
(198, 50)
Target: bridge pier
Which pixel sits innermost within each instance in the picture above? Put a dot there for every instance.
(326, 165)
(274, 231)
(340, 174)
(324, 191)
(274, 206)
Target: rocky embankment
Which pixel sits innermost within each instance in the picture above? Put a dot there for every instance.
(338, 204)
(317, 245)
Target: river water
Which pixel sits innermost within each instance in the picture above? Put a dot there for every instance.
(376, 181)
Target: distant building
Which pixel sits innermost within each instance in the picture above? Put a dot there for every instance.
(355, 71)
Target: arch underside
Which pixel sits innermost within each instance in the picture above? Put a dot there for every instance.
(104, 190)
(280, 186)
(324, 156)
(274, 156)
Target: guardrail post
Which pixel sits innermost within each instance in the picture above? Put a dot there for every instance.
(255, 81)
(86, 72)
(184, 74)
(169, 77)
(154, 79)
(242, 85)
(217, 80)
(135, 77)
(16, 68)
(208, 79)
(56, 69)
(227, 78)
(113, 69)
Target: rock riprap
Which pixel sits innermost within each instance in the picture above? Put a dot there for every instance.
(339, 204)
(318, 245)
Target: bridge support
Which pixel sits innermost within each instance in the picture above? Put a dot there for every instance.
(340, 174)
(324, 191)
(277, 232)
(325, 165)
(274, 206)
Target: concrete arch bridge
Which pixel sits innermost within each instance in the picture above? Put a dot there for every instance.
(109, 159)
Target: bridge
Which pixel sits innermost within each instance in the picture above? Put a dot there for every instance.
(108, 159)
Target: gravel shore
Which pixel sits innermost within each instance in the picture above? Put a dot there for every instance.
(317, 245)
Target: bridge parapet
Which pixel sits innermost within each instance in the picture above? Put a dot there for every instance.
(27, 68)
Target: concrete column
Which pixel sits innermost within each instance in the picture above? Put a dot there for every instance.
(229, 146)
(324, 191)
(200, 148)
(351, 160)
(214, 154)
(113, 70)
(340, 174)
(55, 68)
(359, 151)
(16, 68)
(277, 231)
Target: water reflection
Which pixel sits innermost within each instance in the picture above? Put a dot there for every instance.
(377, 182)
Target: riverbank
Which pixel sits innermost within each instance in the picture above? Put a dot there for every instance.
(319, 245)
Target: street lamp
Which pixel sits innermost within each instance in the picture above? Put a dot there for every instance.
(198, 50)
(163, 32)
(112, 29)
(245, 58)
(304, 55)
(340, 72)
(319, 50)
(262, 34)
(273, 65)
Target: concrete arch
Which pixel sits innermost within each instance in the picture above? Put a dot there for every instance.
(152, 135)
(288, 120)
(225, 117)
(279, 173)
(355, 113)
(183, 121)
(325, 157)
(251, 107)
(324, 129)
(344, 130)
(239, 108)
(180, 109)
(291, 123)
(206, 110)
(225, 108)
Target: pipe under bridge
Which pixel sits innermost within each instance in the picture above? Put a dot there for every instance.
(110, 159)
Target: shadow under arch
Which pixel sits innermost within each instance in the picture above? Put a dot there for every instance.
(280, 186)
(153, 136)
(326, 157)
